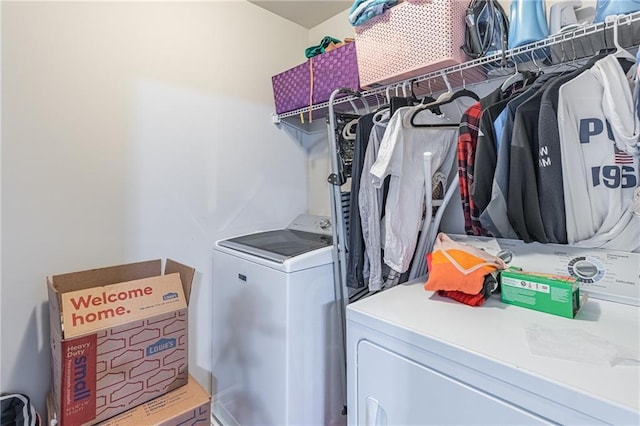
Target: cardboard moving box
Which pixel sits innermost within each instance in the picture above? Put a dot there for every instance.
(118, 337)
(188, 405)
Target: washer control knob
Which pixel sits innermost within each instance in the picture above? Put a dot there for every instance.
(325, 224)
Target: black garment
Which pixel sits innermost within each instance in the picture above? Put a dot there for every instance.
(484, 165)
(398, 102)
(356, 252)
(16, 409)
(549, 178)
(494, 218)
(523, 207)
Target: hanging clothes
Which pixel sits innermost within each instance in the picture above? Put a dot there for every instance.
(617, 105)
(599, 178)
(625, 236)
(370, 201)
(467, 142)
(495, 218)
(486, 153)
(400, 157)
(550, 158)
(356, 252)
(523, 208)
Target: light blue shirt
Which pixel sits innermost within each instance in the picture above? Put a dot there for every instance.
(364, 10)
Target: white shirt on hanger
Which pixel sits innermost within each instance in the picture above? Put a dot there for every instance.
(599, 178)
(370, 205)
(401, 157)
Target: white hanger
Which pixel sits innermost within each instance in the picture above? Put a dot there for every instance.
(404, 88)
(381, 115)
(348, 132)
(533, 59)
(445, 96)
(513, 79)
(620, 52)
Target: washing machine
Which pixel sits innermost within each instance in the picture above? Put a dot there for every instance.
(276, 325)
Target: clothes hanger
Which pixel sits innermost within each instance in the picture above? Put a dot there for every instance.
(387, 98)
(380, 115)
(517, 77)
(349, 132)
(377, 102)
(398, 101)
(463, 92)
(570, 65)
(413, 97)
(409, 94)
(429, 99)
(442, 99)
(448, 94)
(365, 104)
(450, 97)
(533, 59)
(620, 52)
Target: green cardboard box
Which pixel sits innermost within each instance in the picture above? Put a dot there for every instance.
(554, 294)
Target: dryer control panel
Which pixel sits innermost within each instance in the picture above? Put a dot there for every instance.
(312, 223)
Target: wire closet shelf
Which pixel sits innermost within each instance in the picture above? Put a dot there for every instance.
(558, 50)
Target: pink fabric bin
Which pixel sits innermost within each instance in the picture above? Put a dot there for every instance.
(411, 39)
(331, 70)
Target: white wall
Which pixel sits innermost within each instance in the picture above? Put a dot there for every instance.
(337, 26)
(135, 130)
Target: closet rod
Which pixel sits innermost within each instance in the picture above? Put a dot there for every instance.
(494, 60)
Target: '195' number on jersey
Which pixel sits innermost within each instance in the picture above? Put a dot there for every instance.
(614, 176)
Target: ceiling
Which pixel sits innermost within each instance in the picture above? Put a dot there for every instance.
(307, 13)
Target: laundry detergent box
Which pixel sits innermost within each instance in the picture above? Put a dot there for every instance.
(554, 294)
(118, 337)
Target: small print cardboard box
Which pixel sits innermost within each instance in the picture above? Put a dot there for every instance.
(554, 294)
(187, 405)
(118, 337)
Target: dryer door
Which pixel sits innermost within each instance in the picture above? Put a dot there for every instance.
(394, 390)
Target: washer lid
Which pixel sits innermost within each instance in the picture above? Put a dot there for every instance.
(278, 245)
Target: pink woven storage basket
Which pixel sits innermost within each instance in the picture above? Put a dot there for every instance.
(411, 39)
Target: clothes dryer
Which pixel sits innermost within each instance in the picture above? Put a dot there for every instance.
(276, 341)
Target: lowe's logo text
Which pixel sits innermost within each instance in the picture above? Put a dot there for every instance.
(160, 345)
(170, 296)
